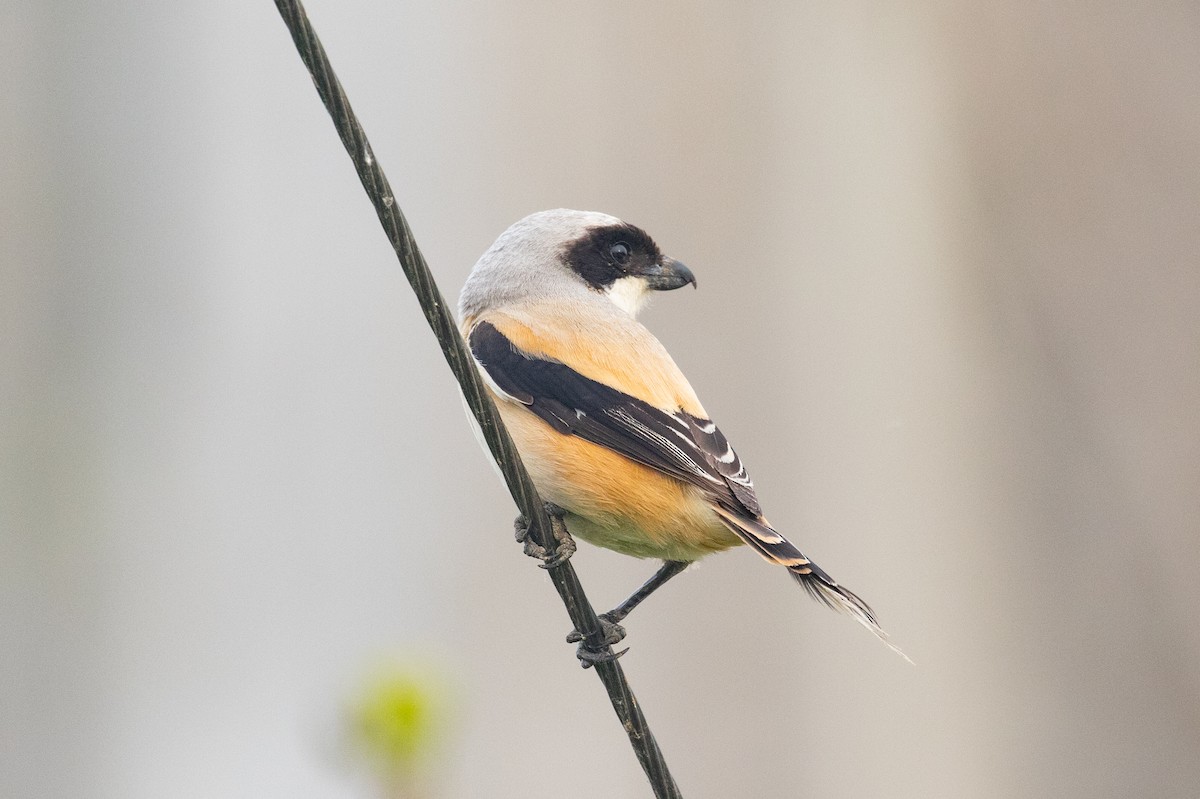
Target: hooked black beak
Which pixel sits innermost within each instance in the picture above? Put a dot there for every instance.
(668, 274)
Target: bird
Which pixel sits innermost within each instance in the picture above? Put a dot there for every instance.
(611, 432)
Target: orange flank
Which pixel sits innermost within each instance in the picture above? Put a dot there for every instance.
(613, 501)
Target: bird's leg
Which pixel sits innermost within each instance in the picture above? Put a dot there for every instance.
(566, 544)
(614, 633)
(669, 569)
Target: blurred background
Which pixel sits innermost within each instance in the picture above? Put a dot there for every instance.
(949, 273)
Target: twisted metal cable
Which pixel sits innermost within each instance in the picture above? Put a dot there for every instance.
(433, 305)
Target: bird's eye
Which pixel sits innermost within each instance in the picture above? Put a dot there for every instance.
(620, 252)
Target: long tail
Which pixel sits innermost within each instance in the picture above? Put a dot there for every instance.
(815, 580)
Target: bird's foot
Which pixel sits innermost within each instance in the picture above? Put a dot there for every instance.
(565, 547)
(590, 655)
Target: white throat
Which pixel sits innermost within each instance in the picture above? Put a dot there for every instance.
(628, 293)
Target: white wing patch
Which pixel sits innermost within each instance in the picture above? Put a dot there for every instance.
(684, 457)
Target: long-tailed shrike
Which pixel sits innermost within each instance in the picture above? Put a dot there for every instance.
(607, 425)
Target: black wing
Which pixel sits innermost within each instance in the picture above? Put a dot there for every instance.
(679, 444)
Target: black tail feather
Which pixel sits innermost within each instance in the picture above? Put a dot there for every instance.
(815, 580)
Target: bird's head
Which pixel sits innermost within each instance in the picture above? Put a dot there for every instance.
(584, 250)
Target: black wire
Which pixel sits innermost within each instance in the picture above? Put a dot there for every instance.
(433, 305)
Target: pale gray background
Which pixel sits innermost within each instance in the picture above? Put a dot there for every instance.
(948, 264)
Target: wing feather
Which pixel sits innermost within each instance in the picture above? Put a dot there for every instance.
(674, 442)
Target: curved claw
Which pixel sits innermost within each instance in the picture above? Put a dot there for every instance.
(588, 656)
(563, 552)
(566, 544)
(532, 548)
